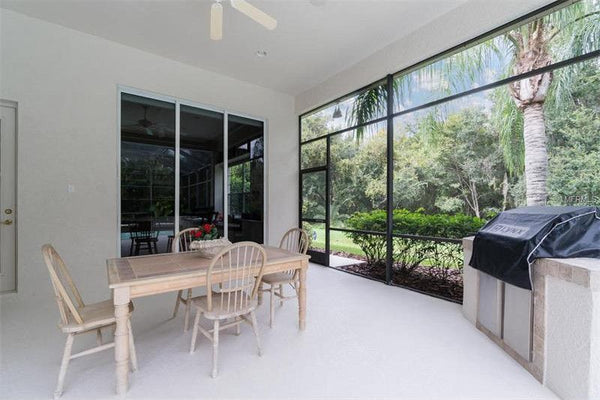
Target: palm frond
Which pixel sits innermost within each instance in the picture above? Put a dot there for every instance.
(507, 118)
(368, 105)
(574, 30)
(571, 31)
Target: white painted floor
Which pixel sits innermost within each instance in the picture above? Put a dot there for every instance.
(363, 340)
(338, 261)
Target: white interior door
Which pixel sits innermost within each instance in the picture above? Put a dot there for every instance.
(8, 197)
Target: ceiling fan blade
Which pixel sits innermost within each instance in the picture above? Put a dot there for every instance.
(216, 21)
(259, 16)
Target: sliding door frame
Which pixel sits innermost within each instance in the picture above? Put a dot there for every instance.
(178, 102)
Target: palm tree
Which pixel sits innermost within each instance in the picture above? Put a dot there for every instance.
(569, 32)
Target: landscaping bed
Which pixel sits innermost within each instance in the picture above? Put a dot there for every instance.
(440, 282)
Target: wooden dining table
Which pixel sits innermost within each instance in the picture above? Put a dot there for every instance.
(134, 277)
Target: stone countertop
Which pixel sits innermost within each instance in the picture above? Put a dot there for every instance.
(468, 242)
(590, 264)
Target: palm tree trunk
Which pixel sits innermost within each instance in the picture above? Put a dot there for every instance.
(536, 154)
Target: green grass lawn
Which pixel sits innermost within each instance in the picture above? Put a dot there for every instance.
(339, 242)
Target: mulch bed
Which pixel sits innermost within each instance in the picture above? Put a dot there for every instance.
(432, 280)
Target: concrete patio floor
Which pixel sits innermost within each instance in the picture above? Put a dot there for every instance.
(363, 340)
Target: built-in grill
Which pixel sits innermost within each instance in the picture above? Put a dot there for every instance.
(505, 249)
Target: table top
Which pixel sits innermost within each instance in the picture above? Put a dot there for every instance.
(126, 271)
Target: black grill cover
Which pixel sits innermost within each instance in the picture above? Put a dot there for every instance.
(507, 245)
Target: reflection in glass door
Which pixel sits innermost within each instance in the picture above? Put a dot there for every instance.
(245, 143)
(175, 174)
(147, 174)
(314, 212)
(200, 168)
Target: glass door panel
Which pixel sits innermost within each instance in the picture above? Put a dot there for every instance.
(201, 192)
(147, 174)
(313, 195)
(245, 150)
(313, 213)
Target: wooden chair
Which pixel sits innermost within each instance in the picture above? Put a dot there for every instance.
(294, 240)
(143, 233)
(181, 243)
(77, 317)
(234, 269)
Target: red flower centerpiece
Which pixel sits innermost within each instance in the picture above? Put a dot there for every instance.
(206, 240)
(207, 232)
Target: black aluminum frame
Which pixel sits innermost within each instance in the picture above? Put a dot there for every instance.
(540, 12)
(389, 118)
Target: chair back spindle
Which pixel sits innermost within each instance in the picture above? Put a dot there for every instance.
(68, 298)
(296, 241)
(240, 267)
(183, 239)
(144, 229)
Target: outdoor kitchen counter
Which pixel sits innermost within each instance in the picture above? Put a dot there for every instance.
(566, 323)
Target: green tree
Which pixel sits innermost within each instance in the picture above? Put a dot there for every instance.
(358, 174)
(313, 126)
(574, 140)
(469, 161)
(416, 184)
(568, 32)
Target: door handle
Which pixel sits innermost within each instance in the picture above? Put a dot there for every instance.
(7, 222)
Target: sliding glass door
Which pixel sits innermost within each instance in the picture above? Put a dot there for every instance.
(201, 168)
(175, 173)
(246, 179)
(147, 174)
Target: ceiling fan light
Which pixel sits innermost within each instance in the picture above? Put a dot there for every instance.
(216, 21)
(337, 113)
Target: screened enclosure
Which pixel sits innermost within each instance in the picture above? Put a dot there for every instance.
(393, 175)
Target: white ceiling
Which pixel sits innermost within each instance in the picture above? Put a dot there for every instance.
(314, 39)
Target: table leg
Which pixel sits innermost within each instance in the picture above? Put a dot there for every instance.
(260, 293)
(302, 296)
(121, 302)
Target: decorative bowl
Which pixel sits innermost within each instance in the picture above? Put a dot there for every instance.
(209, 248)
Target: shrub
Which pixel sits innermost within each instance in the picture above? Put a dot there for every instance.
(436, 225)
(417, 223)
(408, 253)
(372, 245)
(309, 230)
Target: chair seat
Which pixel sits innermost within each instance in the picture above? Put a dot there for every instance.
(220, 309)
(278, 278)
(94, 316)
(146, 239)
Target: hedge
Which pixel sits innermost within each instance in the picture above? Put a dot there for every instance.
(417, 223)
(410, 253)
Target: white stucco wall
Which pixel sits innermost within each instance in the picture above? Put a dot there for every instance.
(571, 335)
(65, 83)
(595, 348)
(470, 283)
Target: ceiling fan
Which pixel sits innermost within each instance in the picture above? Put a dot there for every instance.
(145, 123)
(145, 126)
(216, 17)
